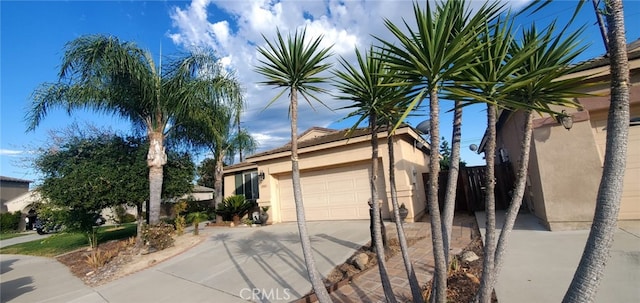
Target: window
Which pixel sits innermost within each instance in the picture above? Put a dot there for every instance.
(247, 185)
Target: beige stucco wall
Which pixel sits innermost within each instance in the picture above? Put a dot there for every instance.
(10, 190)
(570, 168)
(409, 159)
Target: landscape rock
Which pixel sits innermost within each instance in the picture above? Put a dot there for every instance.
(469, 256)
(360, 261)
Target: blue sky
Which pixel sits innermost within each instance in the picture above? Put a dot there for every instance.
(33, 34)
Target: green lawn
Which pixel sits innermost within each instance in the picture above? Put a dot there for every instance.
(65, 242)
(4, 236)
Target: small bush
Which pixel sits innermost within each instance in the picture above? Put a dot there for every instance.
(10, 221)
(234, 205)
(180, 225)
(158, 237)
(98, 258)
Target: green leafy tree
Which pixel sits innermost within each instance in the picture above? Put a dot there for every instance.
(294, 65)
(111, 76)
(205, 172)
(85, 171)
(367, 87)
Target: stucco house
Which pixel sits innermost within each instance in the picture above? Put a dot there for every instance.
(11, 188)
(565, 166)
(335, 171)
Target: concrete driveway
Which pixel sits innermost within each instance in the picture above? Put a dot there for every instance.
(540, 264)
(263, 264)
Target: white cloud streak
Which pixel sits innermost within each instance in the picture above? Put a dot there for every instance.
(235, 28)
(10, 152)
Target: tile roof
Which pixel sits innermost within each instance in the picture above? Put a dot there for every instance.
(3, 178)
(633, 52)
(335, 135)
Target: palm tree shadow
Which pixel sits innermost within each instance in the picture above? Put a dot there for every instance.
(261, 246)
(224, 237)
(5, 265)
(12, 289)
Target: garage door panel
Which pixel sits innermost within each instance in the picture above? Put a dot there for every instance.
(330, 194)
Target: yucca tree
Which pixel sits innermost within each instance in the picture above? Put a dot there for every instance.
(429, 55)
(294, 65)
(518, 77)
(548, 59)
(366, 87)
(112, 76)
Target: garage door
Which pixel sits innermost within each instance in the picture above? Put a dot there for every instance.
(339, 193)
(629, 206)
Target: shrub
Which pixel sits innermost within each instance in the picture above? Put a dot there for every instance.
(234, 205)
(121, 216)
(98, 258)
(10, 221)
(158, 237)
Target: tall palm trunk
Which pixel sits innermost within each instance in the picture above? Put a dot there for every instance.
(416, 291)
(307, 250)
(516, 200)
(217, 179)
(156, 159)
(484, 293)
(440, 276)
(590, 271)
(452, 183)
(377, 226)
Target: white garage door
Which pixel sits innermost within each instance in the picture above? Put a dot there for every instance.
(329, 194)
(629, 206)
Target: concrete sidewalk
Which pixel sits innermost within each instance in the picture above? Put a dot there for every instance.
(540, 264)
(262, 264)
(30, 236)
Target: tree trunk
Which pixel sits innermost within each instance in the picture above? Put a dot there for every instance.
(485, 290)
(516, 200)
(595, 256)
(217, 180)
(452, 183)
(377, 223)
(139, 225)
(416, 290)
(440, 274)
(156, 159)
(307, 250)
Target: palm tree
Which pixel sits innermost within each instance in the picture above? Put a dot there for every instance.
(110, 76)
(213, 128)
(427, 62)
(294, 65)
(517, 77)
(365, 87)
(588, 275)
(540, 72)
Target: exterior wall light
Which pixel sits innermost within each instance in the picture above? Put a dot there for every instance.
(565, 119)
(261, 176)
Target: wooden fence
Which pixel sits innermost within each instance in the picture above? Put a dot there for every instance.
(470, 194)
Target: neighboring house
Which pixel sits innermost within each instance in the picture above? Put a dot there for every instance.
(10, 188)
(199, 193)
(565, 166)
(335, 172)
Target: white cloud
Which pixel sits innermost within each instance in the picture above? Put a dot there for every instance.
(235, 28)
(10, 152)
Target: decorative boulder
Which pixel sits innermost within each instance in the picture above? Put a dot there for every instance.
(469, 256)
(360, 261)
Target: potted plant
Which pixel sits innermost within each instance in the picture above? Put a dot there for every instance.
(264, 215)
(403, 212)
